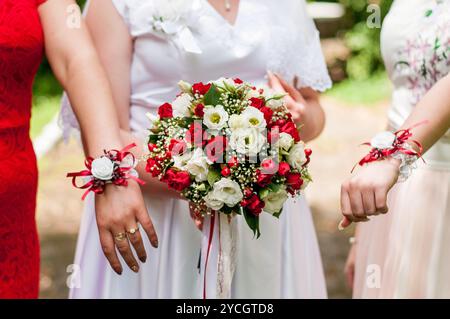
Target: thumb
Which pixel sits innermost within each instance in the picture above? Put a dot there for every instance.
(345, 222)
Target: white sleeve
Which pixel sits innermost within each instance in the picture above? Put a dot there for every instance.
(295, 47)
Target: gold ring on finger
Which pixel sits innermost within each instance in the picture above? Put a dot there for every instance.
(120, 236)
(133, 231)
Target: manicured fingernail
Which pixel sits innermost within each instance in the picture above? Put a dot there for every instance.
(119, 272)
(340, 226)
(156, 244)
(143, 259)
(135, 268)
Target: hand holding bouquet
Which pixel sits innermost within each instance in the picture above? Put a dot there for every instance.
(229, 147)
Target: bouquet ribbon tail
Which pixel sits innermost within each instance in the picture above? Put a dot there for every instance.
(218, 262)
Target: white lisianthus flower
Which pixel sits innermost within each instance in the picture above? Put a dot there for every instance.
(274, 201)
(152, 117)
(275, 103)
(297, 156)
(181, 105)
(383, 140)
(215, 117)
(102, 168)
(254, 118)
(285, 141)
(236, 122)
(180, 161)
(248, 141)
(252, 93)
(212, 202)
(228, 191)
(198, 165)
(185, 86)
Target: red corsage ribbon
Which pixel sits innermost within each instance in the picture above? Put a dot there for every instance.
(398, 146)
(118, 175)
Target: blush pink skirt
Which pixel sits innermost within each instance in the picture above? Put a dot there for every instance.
(406, 253)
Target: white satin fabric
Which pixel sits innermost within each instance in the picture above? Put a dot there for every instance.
(285, 262)
(405, 254)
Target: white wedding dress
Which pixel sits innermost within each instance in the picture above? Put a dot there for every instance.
(201, 45)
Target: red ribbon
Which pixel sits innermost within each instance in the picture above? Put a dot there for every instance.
(402, 136)
(120, 176)
(210, 240)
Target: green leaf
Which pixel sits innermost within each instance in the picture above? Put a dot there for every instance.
(153, 138)
(252, 222)
(277, 215)
(212, 97)
(213, 176)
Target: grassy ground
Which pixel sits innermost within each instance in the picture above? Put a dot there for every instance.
(44, 109)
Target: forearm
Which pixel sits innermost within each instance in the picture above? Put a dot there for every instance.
(434, 108)
(313, 120)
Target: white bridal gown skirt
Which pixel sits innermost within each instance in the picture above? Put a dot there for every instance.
(283, 263)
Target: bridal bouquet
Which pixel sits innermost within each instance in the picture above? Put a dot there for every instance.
(229, 147)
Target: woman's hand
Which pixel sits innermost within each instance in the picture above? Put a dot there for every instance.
(118, 212)
(365, 193)
(303, 104)
(349, 269)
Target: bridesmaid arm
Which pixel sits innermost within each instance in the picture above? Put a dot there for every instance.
(115, 48)
(76, 65)
(365, 193)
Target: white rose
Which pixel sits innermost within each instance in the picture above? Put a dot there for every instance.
(274, 201)
(152, 117)
(102, 168)
(180, 161)
(222, 81)
(215, 117)
(253, 118)
(198, 165)
(285, 141)
(297, 156)
(181, 105)
(228, 192)
(248, 141)
(185, 86)
(275, 103)
(383, 140)
(212, 202)
(236, 121)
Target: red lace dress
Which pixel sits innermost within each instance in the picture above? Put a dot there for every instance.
(21, 50)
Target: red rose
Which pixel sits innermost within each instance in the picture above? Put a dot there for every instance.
(291, 129)
(177, 147)
(200, 88)
(153, 167)
(177, 180)
(253, 204)
(215, 149)
(263, 180)
(269, 166)
(268, 113)
(165, 111)
(256, 102)
(294, 182)
(238, 81)
(196, 135)
(233, 162)
(226, 171)
(283, 169)
(152, 147)
(199, 110)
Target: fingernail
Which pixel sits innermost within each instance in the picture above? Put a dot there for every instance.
(156, 244)
(143, 259)
(135, 268)
(119, 272)
(340, 226)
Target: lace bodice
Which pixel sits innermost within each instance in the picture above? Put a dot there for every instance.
(189, 40)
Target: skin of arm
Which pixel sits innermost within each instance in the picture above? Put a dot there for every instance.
(304, 105)
(115, 47)
(365, 193)
(75, 64)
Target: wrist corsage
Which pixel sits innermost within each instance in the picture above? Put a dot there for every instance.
(114, 167)
(398, 145)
